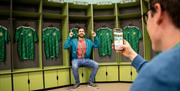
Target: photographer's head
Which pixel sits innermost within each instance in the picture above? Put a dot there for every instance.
(163, 23)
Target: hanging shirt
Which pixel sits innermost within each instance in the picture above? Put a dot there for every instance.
(4, 39)
(26, 38)
(81, 49)
(51, 39)
(132, 34)
(106, 39)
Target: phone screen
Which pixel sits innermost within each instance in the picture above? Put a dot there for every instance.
(118, 38)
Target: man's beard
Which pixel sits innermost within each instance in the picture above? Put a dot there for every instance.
(81, 36)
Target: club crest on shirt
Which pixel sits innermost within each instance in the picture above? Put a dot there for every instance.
(29, 34)
(134, 33)
(54, 34)
(1, 34)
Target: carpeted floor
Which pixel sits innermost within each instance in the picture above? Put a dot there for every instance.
(100, 87)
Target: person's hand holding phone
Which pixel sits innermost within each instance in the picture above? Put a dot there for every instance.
(118, 38)
(127, 50)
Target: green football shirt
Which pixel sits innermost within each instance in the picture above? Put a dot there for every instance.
(132, 34)
(51, 39)
(106, 39)
(4, 39)
(26, 38)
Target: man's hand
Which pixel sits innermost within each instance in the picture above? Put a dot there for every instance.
(93, 34)
(127, 50)
(113, 46)
(70, 34)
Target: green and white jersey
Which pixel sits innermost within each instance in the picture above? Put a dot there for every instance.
(106, 39)
(4, 39)
(26, 38)
(51, 39)
(132, 34)
(75, 32)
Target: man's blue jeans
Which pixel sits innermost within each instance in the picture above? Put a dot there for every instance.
(76, 63)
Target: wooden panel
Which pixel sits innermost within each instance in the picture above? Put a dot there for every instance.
(36, 80)
(50, 79)
(101, 74)
(21, 82)
(125, 73)
(134, 73)
(5, 83)
(63, 77)
(112, 73)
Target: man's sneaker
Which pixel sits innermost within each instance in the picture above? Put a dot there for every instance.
(76, 86)
(92, 84)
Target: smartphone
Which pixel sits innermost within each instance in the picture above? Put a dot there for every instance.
(118, 38)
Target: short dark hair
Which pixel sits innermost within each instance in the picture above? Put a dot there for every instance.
(80, 28)
(171, 7)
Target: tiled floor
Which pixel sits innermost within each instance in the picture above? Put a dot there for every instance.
(100, 87)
